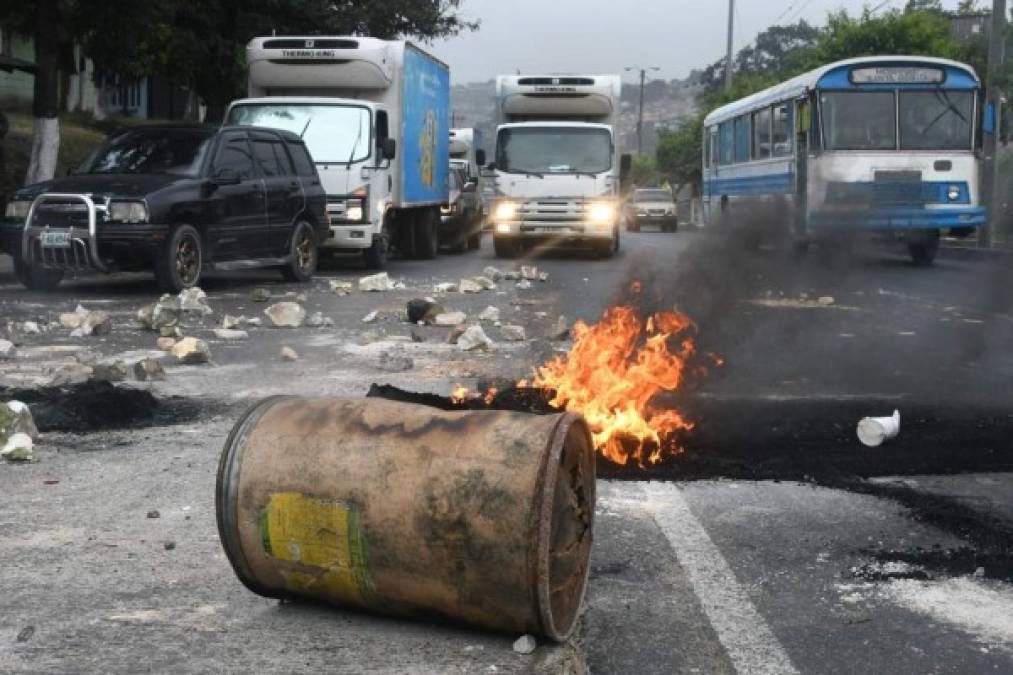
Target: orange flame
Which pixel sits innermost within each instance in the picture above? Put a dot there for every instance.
(613, 372)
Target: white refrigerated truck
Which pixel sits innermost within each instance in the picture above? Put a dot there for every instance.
(375, 117)
(557, 167)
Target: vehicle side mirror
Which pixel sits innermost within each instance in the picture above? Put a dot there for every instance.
(625, 166)
(388, 148)
(480, 157)
(226, 176)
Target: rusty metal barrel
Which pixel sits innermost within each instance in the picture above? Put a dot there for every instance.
(481, 517)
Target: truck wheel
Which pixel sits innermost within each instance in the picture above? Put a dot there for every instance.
(36, 278)
(923, 253)
(303, 254)
(181, 260)
(375, 256)
(426, 237)
(505, 248)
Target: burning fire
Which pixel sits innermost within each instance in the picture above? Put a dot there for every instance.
(615, 369)
(613, 372)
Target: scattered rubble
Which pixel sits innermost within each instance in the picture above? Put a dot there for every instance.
(191, 351)
(446, 287)
(7, 349)
(470, 286)
(260, 295)
(254, 322)
(149, 369)
(229, 322)
(318, 320)
(450, 318)
(190, 307)
(86, 322)
(18, 448)
(394, 362)
(493, 273)
(165, 343)
(288, 354)
(523, 284)
(529, 273)
(486, 283)
(371, 317)
(525, 644)
(30, 328)
(232, 335)
(286, 314)
(543, 276)
(511, 275)
(423, 309)
(109, 372)
(474, 338)
(513, 333)
(456, 334)
(376, 283)
(341, 287)
(489, 314)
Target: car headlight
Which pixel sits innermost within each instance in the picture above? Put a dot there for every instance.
(128, 212)
(602, 213)
(17, 209)
(953, 194)
(505, 211)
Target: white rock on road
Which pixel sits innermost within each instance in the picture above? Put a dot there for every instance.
(288, 354)
(230, 334)
(18, 448)
(371, 317)
(449, 319)
(490, 313)
(513, 333)
(286, 314)
(469, 286)
(474, 338)
(493, 273)
(191, 350)
(341, 287)
(7, 349)
(376, 283)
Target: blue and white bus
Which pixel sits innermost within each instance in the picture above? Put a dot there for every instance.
(878, 144)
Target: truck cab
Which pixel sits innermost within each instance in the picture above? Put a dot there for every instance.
(374, 115)
(557, 169)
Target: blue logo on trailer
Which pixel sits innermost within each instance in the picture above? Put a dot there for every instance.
(426, 127)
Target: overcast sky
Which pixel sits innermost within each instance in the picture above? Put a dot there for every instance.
(604, 36)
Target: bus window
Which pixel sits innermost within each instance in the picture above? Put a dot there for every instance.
(714, 146)
(862, 120)
(782, 134)
(761, 134)
(706, 148)
(726, 155)
(936, 120)
(742, 139)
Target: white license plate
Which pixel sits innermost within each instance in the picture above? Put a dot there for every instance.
(55, 239)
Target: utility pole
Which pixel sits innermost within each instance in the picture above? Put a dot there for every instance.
(640, 115)
(990, 173)
(731, 33)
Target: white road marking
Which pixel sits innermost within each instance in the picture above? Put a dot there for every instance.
(751, 646)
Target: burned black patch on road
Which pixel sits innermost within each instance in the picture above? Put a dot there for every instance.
(101, 406)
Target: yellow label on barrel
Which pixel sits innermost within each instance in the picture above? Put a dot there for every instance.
(324, 541)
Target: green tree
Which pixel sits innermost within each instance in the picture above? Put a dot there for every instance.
(644, 171)
(678, 156)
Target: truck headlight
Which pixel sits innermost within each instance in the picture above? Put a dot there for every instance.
(602, 213)
(505, 211)
(448, 210)
(353, 212)
(17, 209)
(953, 193)
(128, 212)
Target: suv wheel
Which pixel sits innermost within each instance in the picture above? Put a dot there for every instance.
(36, 278)
(504, 247)
(181, 261)
(302, 254)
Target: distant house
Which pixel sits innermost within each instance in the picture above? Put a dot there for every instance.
(967, 27)
(85, 90)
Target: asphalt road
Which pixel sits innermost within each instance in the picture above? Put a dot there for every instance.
(774, 543)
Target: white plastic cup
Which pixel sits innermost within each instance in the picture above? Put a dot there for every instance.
(874, 431)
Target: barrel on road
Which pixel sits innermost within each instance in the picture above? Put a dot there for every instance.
(483, 517)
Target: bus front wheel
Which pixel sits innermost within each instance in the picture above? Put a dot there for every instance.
(923, 252)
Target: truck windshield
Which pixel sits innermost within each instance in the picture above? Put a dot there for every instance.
(334, 134)
(173, 151)
(554, 150)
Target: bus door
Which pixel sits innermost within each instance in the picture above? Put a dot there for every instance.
(802, 116)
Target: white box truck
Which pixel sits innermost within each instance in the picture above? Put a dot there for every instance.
(557, 169)
(375, 117)
(467, 152)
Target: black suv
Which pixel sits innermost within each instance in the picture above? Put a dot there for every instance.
(177, 200)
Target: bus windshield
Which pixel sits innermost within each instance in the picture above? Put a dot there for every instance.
(334, 134)
(937, 119)
(554, 150)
